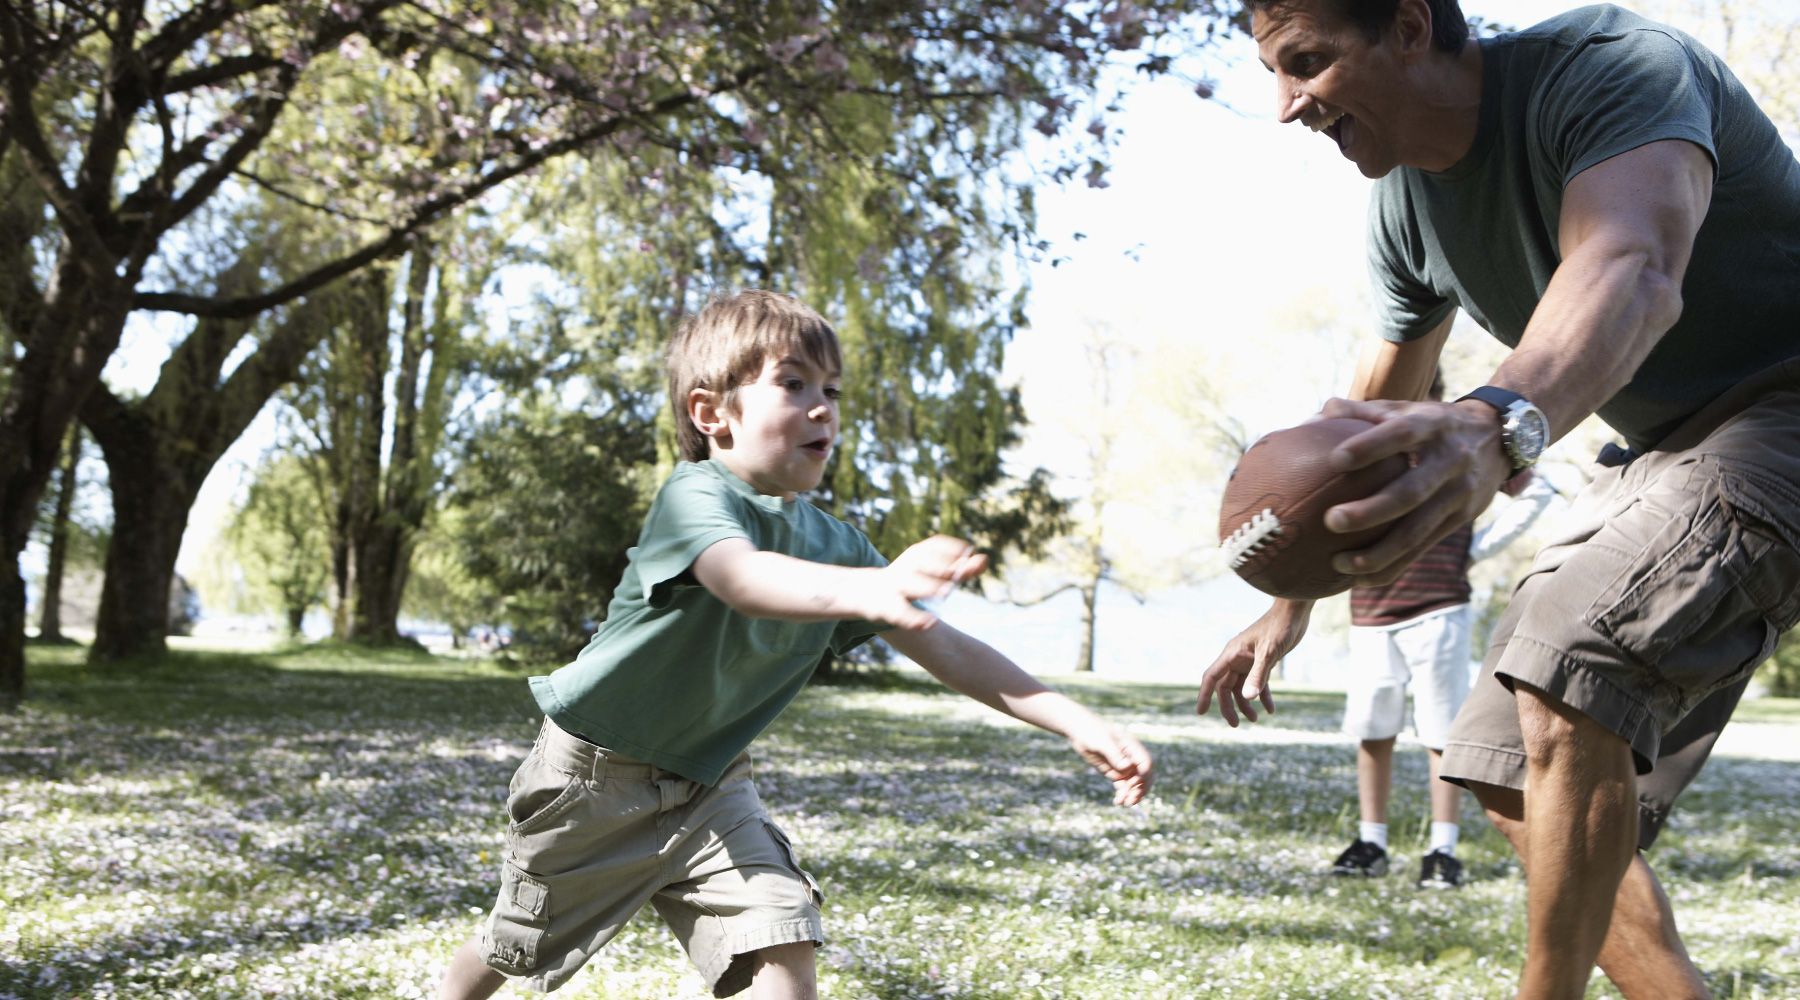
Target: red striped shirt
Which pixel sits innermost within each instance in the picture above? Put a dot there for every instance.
(1438, 579)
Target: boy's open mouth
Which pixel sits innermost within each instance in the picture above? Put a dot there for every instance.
(821, 447)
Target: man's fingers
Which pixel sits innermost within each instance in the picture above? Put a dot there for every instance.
(1407, 493)
(1404, 542)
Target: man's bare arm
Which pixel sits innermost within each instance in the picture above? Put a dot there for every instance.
(1627, 231)
(1390, 370)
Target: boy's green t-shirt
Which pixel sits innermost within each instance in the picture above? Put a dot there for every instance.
(676, 678)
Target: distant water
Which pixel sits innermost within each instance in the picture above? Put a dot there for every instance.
(1171, 638)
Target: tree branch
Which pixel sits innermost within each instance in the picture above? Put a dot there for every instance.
(397, 237)
(25, 130)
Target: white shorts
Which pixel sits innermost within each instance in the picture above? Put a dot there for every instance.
(1431, 653)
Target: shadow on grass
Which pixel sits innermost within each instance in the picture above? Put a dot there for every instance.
(294, 683)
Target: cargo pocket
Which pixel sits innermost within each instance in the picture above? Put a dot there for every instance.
(1765, 510)
(520, 918)
(1678, 581)
(787, 852)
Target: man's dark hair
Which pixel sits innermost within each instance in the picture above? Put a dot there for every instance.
(1449, 30)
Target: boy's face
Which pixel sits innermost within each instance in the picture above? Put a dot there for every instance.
(780, 428)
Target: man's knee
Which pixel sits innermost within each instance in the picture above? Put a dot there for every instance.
(1552, 729)
(1505, 807)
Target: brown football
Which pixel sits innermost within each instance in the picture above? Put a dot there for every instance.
(1272, 520)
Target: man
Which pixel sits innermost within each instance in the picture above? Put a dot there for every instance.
(1415, 632)
(1601, 194)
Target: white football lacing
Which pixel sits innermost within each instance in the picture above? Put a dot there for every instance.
(1253, 535)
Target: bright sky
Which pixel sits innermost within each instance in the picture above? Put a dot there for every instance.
(1216, 217)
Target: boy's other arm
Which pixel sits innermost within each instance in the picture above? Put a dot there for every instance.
(762, 584)
(972, 667)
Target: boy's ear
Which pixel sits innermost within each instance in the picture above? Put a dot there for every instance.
(707, 410)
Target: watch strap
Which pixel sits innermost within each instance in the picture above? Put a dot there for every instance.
(1494, 396)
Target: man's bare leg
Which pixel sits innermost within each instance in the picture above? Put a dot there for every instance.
(1446, 798)
(1374, 778)
(1643, 954)
(785, 972)
(469, 978)
(1581, 822)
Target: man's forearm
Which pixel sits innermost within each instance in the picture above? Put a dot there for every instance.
(1605, 310)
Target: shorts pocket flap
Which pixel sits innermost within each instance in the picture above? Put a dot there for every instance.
(527, 893)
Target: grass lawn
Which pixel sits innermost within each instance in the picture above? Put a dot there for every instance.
(326, 823)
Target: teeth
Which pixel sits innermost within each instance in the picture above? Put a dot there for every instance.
(1325, 123)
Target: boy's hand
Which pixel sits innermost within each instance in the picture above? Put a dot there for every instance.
(1115, 754)
(925, 571)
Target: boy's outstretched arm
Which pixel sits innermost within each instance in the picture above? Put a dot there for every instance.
(972, 667)
(762, 584)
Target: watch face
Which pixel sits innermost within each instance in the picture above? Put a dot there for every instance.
(1530, 433)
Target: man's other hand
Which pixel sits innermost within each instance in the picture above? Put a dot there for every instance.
(1457, 465)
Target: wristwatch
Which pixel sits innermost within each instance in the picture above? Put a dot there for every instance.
(1524, 430)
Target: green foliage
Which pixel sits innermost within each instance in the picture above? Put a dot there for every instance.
(544, 504)
(1782, 671)
(272, 556)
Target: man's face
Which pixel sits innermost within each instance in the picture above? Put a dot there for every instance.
(1332, 79)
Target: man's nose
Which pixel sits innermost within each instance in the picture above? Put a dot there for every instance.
(1290, 102)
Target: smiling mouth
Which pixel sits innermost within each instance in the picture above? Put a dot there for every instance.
(1333, 126)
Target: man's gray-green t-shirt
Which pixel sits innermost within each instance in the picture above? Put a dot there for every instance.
(1557, 99)
(676, 678)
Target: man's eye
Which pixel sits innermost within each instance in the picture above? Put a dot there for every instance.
(1306, 63)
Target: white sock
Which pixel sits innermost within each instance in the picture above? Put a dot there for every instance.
(1374, 833)
(1443, 838)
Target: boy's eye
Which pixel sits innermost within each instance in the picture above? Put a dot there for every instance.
(792, 384)
(833, 392)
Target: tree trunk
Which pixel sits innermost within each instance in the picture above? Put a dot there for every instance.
(1090, 596)
(67, 338)
(296, 620)
(160, 449)
(50, 622)
(386, 526)
(150, 510)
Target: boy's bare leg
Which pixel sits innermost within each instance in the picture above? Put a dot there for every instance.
(1374, 778)
(1643, 954)
(469, 978)
(785, 972)
(1446, 798)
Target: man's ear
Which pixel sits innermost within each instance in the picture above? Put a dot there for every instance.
(1412, 30)
(707, 410)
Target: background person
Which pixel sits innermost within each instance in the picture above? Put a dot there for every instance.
(1415, 632)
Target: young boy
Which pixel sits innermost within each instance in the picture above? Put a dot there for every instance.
(639, 789)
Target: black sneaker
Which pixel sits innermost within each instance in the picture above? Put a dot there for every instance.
(1440, 871)
(1361, 858)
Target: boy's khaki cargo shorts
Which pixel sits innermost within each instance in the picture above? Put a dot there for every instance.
(594, 836)
(1674, 577)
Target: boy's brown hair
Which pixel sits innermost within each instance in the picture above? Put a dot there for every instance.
(727, 344)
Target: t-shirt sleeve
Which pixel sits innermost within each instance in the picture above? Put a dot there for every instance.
(1406, 306)
(691, 513)
(853, 632)
(1621, 91)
